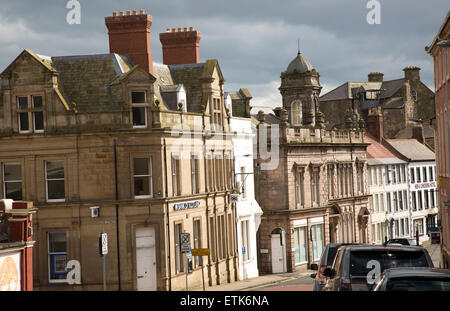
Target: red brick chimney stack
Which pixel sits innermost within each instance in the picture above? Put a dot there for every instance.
(180, 46)
(130, 34)
(375, 123)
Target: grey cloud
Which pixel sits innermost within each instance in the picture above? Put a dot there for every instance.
(254, 40)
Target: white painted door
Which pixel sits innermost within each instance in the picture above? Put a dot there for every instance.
(277, 254)
(146, 259)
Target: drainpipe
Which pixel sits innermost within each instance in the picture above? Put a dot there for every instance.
(167, 215)
(117, 214)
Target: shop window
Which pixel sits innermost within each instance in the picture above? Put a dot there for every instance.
(179, 266)
(301, 249)
(57, 256)
(197, 242)
(317, 241)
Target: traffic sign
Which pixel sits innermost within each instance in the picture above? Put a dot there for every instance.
(200, 252)
(185, 242)
(103, 243)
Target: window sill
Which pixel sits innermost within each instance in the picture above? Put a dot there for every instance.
(140, 197)
(56, 201)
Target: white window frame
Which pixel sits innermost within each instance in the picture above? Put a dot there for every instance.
(139, 105)
(150, 177)
(34, 115)
(54, 253)
(27, 112)
(176, 186)
(194, 174)
(54, 179)
(305, 228)
(12, 181)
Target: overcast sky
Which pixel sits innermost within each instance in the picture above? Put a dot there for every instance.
(254, 40)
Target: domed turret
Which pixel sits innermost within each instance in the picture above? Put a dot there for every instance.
(299, 64)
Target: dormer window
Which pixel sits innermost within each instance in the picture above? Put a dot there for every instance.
(30, 111)
(139, 109)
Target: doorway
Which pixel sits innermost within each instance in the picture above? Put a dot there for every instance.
(145, 259)
(278, 251)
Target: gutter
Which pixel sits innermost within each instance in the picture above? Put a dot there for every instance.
(117, 214)
(167, 215)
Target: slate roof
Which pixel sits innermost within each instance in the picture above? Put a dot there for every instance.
(270, 119)
(190, 75)
(91, 83)
(428, 131)
(412, 149)
(347, 90)
(86, 80)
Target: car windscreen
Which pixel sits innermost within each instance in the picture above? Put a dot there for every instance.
(363, 262)
(418, 284)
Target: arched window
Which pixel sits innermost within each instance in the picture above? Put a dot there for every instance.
(296, 113)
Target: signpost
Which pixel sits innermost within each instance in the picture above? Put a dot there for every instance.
(201, 252)
(185, 246)
(103, 249)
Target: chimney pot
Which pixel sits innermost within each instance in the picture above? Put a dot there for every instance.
(180, 47)
(141, 12)
(131, 35)
(114, 13)
(191, 28)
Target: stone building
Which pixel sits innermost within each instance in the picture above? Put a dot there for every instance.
(404, 102)
(118, 143)
(313, 187)
(439, 50)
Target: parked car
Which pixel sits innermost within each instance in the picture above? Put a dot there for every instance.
(402, 241)
(414, 279)
(359, 267)
(326, 261)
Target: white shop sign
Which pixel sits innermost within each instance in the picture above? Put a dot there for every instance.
(186, 205)
(300, 223)
(316, 220)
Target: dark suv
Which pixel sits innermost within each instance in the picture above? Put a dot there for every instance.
(359, 267)
(326, 261)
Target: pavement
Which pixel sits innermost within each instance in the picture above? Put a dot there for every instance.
(256, 282)
(435, 252)
(274, 279)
